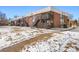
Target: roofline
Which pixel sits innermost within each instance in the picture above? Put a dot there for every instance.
(47, 9)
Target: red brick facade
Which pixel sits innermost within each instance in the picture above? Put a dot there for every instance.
(56, 19)
(53, 21)
(3, 22)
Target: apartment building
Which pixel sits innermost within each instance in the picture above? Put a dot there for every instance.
(48, 17)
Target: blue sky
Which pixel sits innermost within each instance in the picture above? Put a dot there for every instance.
(24, 10)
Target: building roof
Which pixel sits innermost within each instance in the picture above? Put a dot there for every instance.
(50, 8)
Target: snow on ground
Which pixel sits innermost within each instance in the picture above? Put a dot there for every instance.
(66, 41)
(10, 35)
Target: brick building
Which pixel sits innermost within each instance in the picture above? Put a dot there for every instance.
(45, 18)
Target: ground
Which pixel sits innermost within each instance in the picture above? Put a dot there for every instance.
(26, 39)
(76, 29)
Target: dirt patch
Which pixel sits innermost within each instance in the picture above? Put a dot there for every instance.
(17, 30)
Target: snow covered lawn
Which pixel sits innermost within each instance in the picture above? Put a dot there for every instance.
(59, 42)
(26, 39)
(10, 35)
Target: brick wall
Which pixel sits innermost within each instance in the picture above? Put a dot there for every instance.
(56, 19)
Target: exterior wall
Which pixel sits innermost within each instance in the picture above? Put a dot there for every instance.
(3, 22)
(56, 19)
(66, 21)
(72, 24)
(29, 20)
(19, 22)
(44, 22)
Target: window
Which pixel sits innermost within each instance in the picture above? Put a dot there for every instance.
(46, 16)
(62, 19)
